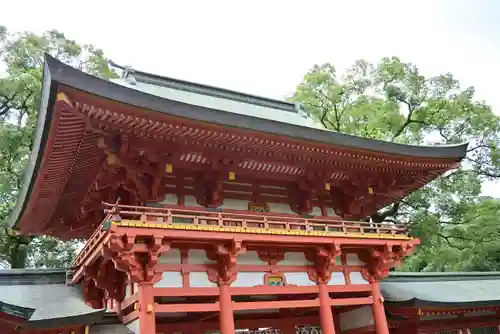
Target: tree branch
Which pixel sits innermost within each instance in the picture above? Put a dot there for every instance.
(408, 121)
(382, 215)
(482, 171)
(325, 119)
(336, 126)
(460, 223)
(478, 147)
(447, 240)
(7, 104)
(337, 116)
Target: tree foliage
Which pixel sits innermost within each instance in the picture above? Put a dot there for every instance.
(391, 100)
(21, 68)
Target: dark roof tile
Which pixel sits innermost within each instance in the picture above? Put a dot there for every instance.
(445, 289)
(55, 304)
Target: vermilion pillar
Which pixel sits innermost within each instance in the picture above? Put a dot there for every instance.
(147, 321)
(226, 318)
(325, 310)
(379, 316)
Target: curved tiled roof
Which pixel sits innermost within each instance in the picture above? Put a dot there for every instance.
(23, 313)
(208, 105)
(445, 289)
(45, 295)
(184, 105)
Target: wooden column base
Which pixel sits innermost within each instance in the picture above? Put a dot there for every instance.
(379, 316)
(147, 318)
(325, 310)
(226, 317)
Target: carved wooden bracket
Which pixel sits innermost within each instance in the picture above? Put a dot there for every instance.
(302, 196)
(107, 278)
(92, 295)
(324, 262)
(138, 258)
(210, 184)
(225, 255)
(143, 174)
(380, 261)
(271, 257)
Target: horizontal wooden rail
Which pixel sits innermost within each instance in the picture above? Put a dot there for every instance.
(182, 218)
(94, 240)
(250, 221)
(260, 305)
(260, 290)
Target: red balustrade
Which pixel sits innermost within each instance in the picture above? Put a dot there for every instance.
(249, 220)
(232, 220)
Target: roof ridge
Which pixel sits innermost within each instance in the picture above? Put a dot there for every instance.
(32, 271)
(441, 276)
(444, 273)
(32, 276)
(132, 76)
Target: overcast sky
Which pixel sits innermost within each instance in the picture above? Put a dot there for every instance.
(265, 47)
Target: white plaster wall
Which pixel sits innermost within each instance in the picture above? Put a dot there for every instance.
(360, 317)
(170, 199)
(294, 259)
(170, 279)
(134, 326)
(173, 256)
(191, 201)
(353, 260)
(316, 211)
(198, 256)
(331, 212)
(246, 279)
(299, 279)
(128, 291)
(337, 279)
(357, 278)
(200, 280)
(280, 208)
(234, 204)
(249, 258)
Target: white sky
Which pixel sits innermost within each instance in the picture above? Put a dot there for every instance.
(265, 47)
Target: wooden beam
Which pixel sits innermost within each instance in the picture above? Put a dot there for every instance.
(180, 308)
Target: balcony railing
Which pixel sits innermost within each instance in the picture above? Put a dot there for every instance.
(237, 222)
(252, 222)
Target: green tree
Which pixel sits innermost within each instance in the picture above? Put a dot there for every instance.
(21, 68)
(393, 101)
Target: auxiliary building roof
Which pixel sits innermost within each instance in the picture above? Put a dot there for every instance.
(43, 299)
(442, 289)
